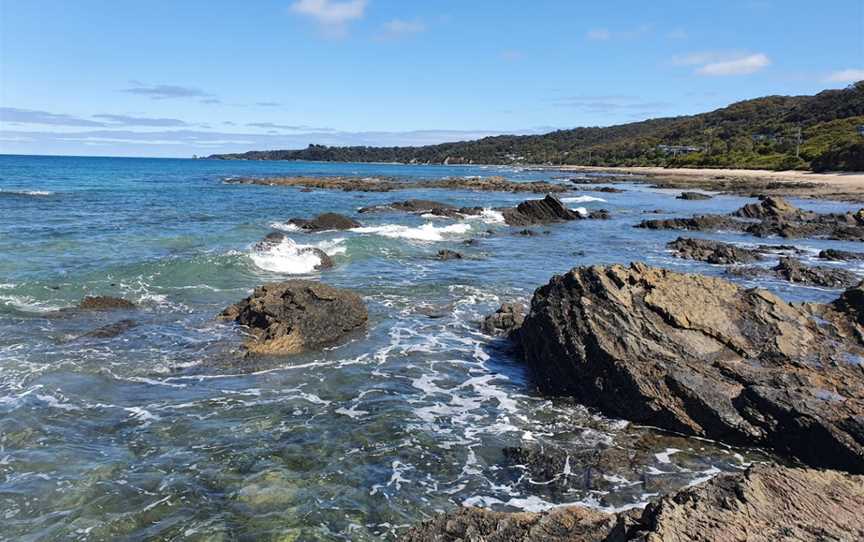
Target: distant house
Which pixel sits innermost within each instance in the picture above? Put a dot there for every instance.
(675, 150)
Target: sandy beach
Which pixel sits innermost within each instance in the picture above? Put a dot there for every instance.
(841, 186)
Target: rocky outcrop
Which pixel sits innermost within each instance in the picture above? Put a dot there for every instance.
(702, 356)
(792, 270)
(505, 321)
(387, 184)
(693, 196)
(325, 222)
(696, 223)
(767, 503)
(840, 255)
(542, 211)
(296, 316)
(714, 252)
(772, 207)
(446, 254)
(104, 302)
(408, 206)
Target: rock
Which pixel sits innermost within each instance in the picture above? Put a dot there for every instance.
(506, 321)
(771, 207)
(702, 356)
(600, 214)
(543, 211)
(111, 330)
(448, 255)
(408, 206)
(693, 196)
(273, 239)
(103, 302)
(696, 223)
(840, 255)
(296, 316)
(851, 303)
(793, 270)
(713, 252)
(385, 184)
(526, 233)
(607, 189)
(766, 503)
(325, 222)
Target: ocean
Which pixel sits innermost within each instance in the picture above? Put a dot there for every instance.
(166, 432)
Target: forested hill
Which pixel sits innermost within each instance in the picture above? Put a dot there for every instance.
(759, 133)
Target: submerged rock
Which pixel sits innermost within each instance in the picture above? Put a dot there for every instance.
(694, 196)
(296, 316)
(325, 222)
(793, 270)
(542, 211)
(702, 356)
(505, 321)
(714, 252)
(274, 239)
(111, 330)
(104, 302)
(445, 255)
(840, 255)
(766, 503)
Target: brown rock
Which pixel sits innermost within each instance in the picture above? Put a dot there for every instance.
(543, 211)
(325, 222)
(506, 321)
(103, 302)
(713, 252)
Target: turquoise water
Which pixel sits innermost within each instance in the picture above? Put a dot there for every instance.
(164, 432)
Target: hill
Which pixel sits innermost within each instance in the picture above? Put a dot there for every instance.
(775, 132)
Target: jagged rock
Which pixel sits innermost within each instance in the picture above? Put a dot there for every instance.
(445, 255)
(600, 214)
(505, 321)
(104, 302)
(793, 270)
(696, 223)
(766, 503)
(111, 330)
(840, 255)
(542, 211)
(694, 196)
(713, 252)
(297, 315)
(772, 207)
(702, 356)
(851, 303)
(325, 222)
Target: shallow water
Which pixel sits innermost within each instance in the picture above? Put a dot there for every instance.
(163, 432)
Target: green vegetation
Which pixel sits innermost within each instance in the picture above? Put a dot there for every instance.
(758, 134)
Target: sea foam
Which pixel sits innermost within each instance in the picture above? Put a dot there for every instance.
(426, 232)
(292, 258)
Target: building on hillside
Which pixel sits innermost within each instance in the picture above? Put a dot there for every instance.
(675, 150)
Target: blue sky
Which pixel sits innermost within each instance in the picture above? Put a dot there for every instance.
(166, 78)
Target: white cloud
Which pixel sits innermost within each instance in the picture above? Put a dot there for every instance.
(851, 75)
(399, 27)
(332, 15)
(599, 34)
(723, 64)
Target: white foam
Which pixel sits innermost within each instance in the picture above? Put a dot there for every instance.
(582, 211)
(28, 304)
(582, 199)
(285, 226)
(426, 232)
(293, 258)
(28, 192)
(664, 457)
(489, 216)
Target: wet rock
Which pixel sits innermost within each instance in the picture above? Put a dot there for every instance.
(713, 252)
(851, 303)
(543, 211)
(325, 222)
(445, 255)
(296, 316)
(696, 223)
(111, 330)
(104, 302)
(702, 356)
(766, 503)
(840, 255)
(526, 233)
(600, 214)
(505, 321)
(408, 206)
(606, 189)
(693, 196)
(772, 207)
(793, 270)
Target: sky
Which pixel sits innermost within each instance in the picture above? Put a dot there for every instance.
(181, 78)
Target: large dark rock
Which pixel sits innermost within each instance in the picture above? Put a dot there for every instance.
(296, 316)
(325, 222)
(702, 356)
(539, 211)
(104, 302)
(767, 503)
(793, 270)
(772, 207)
(714, 252)
(408, 206)
(840, 255)
(505, 321)
(696, 223)
(694, 196)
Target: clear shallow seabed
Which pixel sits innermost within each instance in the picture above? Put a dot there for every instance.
(164, 433)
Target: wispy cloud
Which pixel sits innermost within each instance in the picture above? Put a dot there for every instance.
(599, 34)
(331, 15)
(852, 75)
(292, 127)
(14, 115)
(398, 28)
(126, 120)
(611, 104)
(167, 92)
(724, 64)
